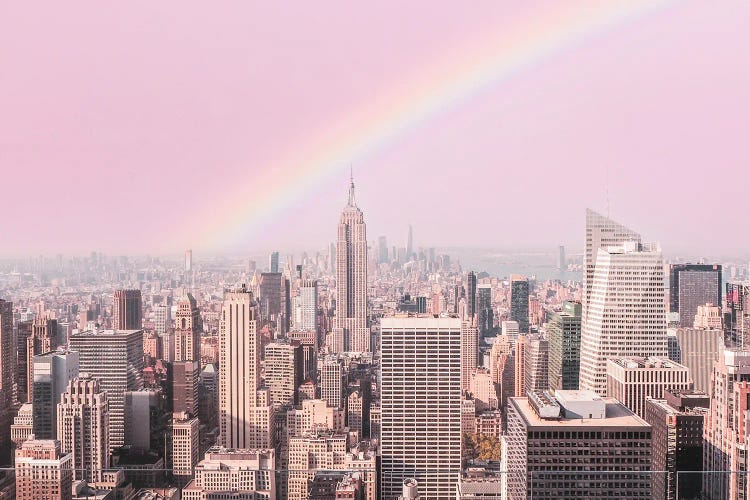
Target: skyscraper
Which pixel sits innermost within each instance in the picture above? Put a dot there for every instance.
(421, 405)
(469, 352)
(52, 372)
(7, 377)
(725, 433)
(187, 330)
(626, 313)
(536, 364)
(383, 250)
(485, 314)
(564, 335)
(116, 359)
(270, 295)
(332, 382)
(83, 427)
(188, 261)
(693, 285)
(601, 232)
(162, 320)
(43, 339)
(308, 304)
(350, 321)
(283, 371)
(185, 382)
(127, 310)
(273, 262)
(519, 302)
(409, 244)
(245, 415)
(562, 263)
(471, 294)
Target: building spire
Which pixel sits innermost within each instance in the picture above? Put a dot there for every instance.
(352, 201)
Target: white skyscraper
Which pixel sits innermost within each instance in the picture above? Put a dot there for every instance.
(626, 311)
(421, 405)
(308, 304)
(350, 323)
(245, 415)
(601, 232)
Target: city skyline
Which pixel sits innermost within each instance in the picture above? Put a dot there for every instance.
(98, 139)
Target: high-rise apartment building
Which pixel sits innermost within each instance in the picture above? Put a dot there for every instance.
(564, 336)
(677, 443)
(626, 311)
(83, 427)
(22, 427)
(737, 317)
(43, 471)
(693, 285)
(245, 415)
(312, 414)
(725, 435)
(420, 394)
(633, 380)
(42, 339)
(611, 447)
(242, 473)
(350, 322)
(162, 319)
(519, 302)
(52, 372)
(283, 371)
(115, 358)
(469, 352)
(127, 310)
(187, 330)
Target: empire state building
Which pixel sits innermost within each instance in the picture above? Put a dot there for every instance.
(350, 329)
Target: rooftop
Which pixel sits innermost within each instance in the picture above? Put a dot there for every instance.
(616, 415)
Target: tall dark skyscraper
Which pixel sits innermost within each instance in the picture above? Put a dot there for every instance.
(7, 376)
(519, 302)
(383, 250)
(270, 295)
(564, 335)
(693, 285)
(485, 314)
(273, 262)
(471, 294)
(737, 317)
(127, 310)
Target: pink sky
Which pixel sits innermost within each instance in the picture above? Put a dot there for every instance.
(119, 121)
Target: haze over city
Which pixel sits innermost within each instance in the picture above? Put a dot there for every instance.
(152, 127)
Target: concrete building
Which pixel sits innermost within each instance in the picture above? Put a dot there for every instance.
(187, 330)
(52, 372)
(725, 431)
(485, 319)
(700, 349)
(520, 371)
(511, 330)
(115, 358)
(162, 319)
(536, 364)
(185, 444)
(469, 352)
(483, 390)
(319, 450)
(8, 345)
(43, 471)
(42, 339)
(185, 387)
(332, 381)
(312, 414)
(22, 426)
(83, 427)
(626, 314)
(234, 473)
(283, 371)
(677, 442)
(553, 442)
(477, 482)
(693, 285)
(564, 336)
(420, 405)
(350, 323)
(471, 295)
(245, 416)
(308, 306)
(127, 310)
(632, 380)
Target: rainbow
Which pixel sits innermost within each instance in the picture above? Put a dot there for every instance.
(486, 63)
